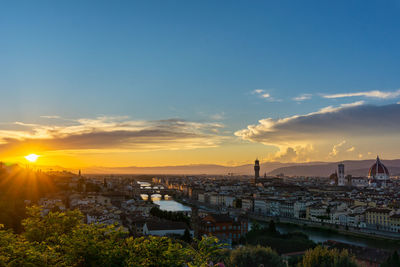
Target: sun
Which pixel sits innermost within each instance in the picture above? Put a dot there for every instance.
(32, 157)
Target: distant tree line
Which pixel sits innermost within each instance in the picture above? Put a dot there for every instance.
(175, 216)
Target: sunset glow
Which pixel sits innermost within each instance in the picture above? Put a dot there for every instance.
(134, 90)
(31, 157)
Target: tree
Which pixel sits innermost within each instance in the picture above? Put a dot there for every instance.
(272, 227)
(392, 261)
(155, 251)
(62, 239)
(322, 256)
(255, 226)
(254, 256)
(208, 249)
(187, 237)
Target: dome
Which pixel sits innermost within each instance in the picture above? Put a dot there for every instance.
(378, 170)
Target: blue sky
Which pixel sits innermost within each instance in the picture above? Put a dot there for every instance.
(198, 61)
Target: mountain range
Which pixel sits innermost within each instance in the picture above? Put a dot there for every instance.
(321, 169)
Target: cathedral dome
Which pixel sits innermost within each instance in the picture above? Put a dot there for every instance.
(378, 170)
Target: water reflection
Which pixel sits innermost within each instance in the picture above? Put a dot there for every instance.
(320, 236)
(172, 205)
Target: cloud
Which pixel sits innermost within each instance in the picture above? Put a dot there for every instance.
(258, 91)
(371, 94)
(302, 97)
(335, 149)
(116, 133)
(50, 117)
(364, 126)
(292, 154)
(351, 149)
(218, 116)
(263, 94)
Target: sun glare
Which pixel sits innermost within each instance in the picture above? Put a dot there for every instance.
(32, 157)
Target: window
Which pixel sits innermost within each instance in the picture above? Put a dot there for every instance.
(224, 227)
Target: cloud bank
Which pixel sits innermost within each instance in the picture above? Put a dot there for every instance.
(331, 131)
(371, 94)
(116, 133)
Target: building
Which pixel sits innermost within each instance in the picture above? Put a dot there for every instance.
(341, 176)
(256, 170)
(248, 204)
(378, 174)
(164, 228)
(378, 218)
(394, 222)
(222, 226)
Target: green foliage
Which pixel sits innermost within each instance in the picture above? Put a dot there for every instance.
(155, 251)
(254, 256)
(272, 227)
(50, 227)
(321, 256)
(170, 215)
(62, 239)
(282, 243)
(12, 212)
(392, 261)
(208, 249)
(187, 236)
(255, 226)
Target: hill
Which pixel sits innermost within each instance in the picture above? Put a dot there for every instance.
(353, 167)
(322, 169)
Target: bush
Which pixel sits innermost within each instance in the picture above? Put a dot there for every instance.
(62, 239)
(321, 256)
(254, 256)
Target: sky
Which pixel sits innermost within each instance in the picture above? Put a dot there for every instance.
(156, 83)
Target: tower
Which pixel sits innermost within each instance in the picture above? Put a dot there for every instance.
(341, 177)
(256, 170)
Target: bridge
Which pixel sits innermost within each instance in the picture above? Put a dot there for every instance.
(161, 191)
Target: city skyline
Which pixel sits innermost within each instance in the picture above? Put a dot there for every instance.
(177, 83)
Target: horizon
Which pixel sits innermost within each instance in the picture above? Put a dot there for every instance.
(270, 169)
(170, 84)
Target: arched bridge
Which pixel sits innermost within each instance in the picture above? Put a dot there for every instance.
(152, 191)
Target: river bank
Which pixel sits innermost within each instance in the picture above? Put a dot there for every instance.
(321, 235)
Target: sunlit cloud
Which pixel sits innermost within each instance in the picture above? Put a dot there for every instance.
(264, 94)
(371, 94)
(335, 148)
(118, 133)
(50, 117)
(351, 149)
(293, 154)
(302, 97)
(362, 126)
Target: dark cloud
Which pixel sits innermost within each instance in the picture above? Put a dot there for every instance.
(346, 121)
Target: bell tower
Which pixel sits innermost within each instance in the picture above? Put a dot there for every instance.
(256, 170)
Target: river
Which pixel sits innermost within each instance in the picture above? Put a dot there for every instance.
(169, 204)
(318, 236)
